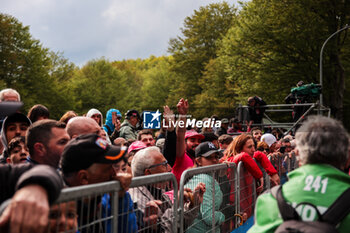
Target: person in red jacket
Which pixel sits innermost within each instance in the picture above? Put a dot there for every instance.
(242, 149)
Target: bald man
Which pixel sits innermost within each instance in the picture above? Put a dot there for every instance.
(83, 125)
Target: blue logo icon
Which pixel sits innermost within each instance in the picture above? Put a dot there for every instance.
(151, 120)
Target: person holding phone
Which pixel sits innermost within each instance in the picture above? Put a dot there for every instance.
(112, 125)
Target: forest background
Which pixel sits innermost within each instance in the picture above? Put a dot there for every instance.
(224, 55)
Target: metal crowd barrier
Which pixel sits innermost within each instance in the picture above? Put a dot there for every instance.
(144, 191)
(276, 162)
(229, 198)
(246, 191)
(79, 208)
(217, 211)
(284, 164)
(267, 182)
(97, 208)
(291, 162)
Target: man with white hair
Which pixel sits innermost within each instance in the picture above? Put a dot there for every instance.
(9, 94)
(152, 198)
(323, 146)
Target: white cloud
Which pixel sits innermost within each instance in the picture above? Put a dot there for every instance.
(115, 29)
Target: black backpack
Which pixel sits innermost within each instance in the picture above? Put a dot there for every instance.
(327, 222)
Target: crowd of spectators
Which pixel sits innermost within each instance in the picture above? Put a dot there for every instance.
(80, 150)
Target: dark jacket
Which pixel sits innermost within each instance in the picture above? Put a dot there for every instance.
(14, 177)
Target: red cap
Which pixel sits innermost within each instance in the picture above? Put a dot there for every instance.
(135, 146)
(193, 134)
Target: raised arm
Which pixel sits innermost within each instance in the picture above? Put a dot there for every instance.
(182, 108)
(169, 150)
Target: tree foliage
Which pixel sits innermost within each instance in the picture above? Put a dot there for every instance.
(274, 44)
(29, 68)
(198, 44)
(222, 57)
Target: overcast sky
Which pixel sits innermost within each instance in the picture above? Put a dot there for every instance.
(116, 29)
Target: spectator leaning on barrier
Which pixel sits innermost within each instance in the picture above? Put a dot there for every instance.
(149, 161)
(242, 149)
(323, 145)
(31, 190)
(128, 129)
(154, 199)
(207, 154)
(46, 140)
(89, 159)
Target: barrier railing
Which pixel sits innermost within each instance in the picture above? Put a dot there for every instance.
(145, 192)
(242, 112)
(246, 191)
(80, 206)
(217, 210)
(267, 183)
(229, 198)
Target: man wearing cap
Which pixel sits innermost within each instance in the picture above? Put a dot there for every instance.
(224, 126)
(46, 140)
(89, 159)
(13, 126)
(207, 154)
(269, 139)
(191, 140)
(128, 129)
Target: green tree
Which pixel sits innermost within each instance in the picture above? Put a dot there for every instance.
(198, 44)
(99, 85)
(217, 96)
(32, 70)
(274, 44)
(157, 83)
